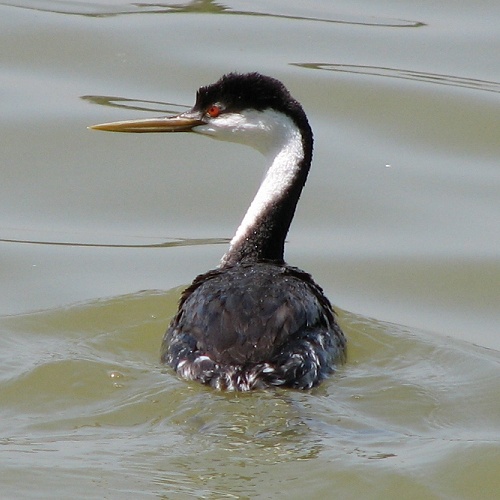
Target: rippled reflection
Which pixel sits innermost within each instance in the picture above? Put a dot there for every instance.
(178, 242)
(135, 104)
(420, 76)
(200, 7)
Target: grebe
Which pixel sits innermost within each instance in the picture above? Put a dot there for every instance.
(254, 321)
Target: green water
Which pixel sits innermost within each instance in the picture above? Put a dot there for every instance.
(100, 232)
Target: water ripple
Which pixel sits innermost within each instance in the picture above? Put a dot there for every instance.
(200, 7)
(404, 74)
(173, 242)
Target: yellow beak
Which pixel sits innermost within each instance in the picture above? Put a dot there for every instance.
(179, 123)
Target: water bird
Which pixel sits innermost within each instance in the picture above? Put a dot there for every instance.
(254, 321)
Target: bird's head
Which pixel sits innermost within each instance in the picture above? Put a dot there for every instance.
(249, 108)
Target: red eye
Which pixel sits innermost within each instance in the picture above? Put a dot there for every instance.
(214, 111)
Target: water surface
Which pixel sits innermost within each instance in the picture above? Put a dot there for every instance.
(100, 232)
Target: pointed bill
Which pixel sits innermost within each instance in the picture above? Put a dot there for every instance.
(180, 123)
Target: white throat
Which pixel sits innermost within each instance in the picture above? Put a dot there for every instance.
(277, 137)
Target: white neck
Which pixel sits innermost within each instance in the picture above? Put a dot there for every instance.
(284, 151)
